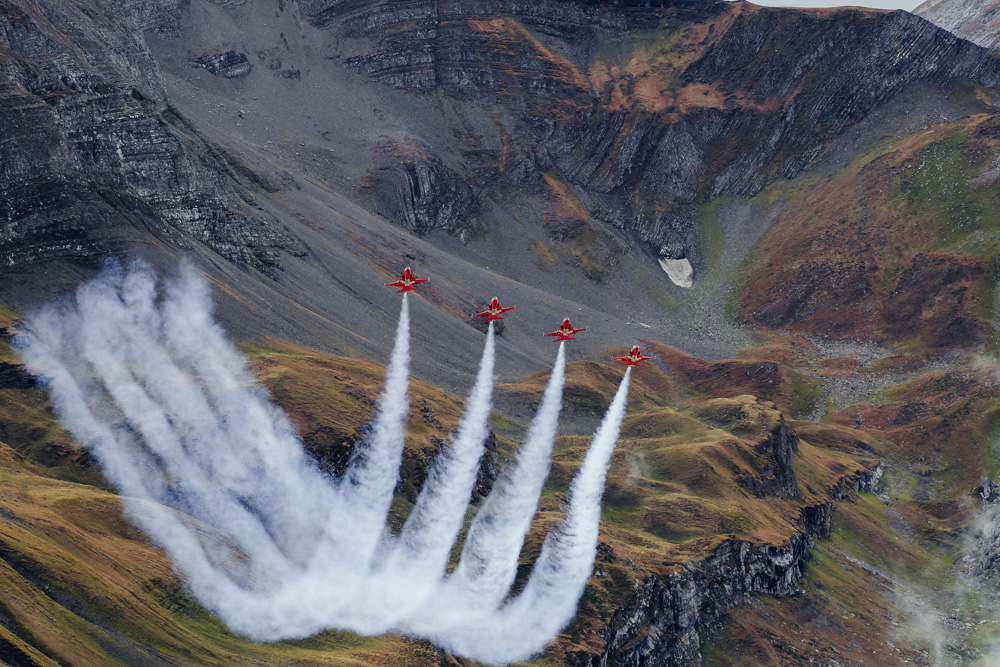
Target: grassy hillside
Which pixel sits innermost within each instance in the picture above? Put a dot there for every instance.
(900, 245)
(693, 468)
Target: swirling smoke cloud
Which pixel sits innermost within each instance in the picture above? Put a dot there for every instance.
(214, 473)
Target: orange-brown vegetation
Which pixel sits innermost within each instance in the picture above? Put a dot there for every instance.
(581, 243)
(891, 248)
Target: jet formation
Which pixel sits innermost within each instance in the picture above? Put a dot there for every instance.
(495, 311)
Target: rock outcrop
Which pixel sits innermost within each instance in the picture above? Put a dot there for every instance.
(983, 556)
(777, 477)
(416, 190)
(488, 469)
(94, 159)
(660, 625)
(661, 622)
(989, 492)
(230, 64)
(975, 20)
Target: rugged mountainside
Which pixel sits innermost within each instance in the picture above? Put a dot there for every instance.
(93, 160)
(637, 109)
(900, 244)
(975, 20)
(824, 396)
(578, 93)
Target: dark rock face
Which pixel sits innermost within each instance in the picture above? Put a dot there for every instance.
(865, 481)
(487, 469)
(331, 451)
(983, 557)
(777, 478)
(93, 159)
(231, 64)
(13, 376)
(416, 190)
(417, 465)
(989, 493)
(661, 622)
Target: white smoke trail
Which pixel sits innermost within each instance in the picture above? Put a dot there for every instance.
(114, 344)
(488, 564)
(211, 471)
(372, 474)
(210, 444)
(567, 558)
(412, 570)
(440, 508)
(525, 625)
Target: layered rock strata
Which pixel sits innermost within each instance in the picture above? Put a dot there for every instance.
(662, 621)
(94, 160)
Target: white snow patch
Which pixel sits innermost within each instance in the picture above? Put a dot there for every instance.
(679, 270)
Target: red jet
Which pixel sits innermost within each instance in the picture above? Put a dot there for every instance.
(407, 282)
(494, 311)
(565, 331)
(633, 358)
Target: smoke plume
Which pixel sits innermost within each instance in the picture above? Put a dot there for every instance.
(489, 560)
(214, 474)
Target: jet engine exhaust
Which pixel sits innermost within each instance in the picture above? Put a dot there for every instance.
(489, 560)
(525, 625)
(416, 562)
(214, 473)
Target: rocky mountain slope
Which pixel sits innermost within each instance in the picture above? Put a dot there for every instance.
(824, 396)
(91, 160)
(575, 148)
(614, 121)
(975, 20)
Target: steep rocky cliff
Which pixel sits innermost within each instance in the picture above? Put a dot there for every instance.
(975, 20)
(661, 622)
(777, 477)
(94, 159)
(645, 110)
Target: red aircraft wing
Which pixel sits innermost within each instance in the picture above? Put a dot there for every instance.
(407, 281)
(565, 331)
(494, 311)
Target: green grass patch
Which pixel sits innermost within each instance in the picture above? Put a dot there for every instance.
(937, 187)
(988, 431)
(987, 309)
(806, 393)
(713, 241)
(713, 650)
